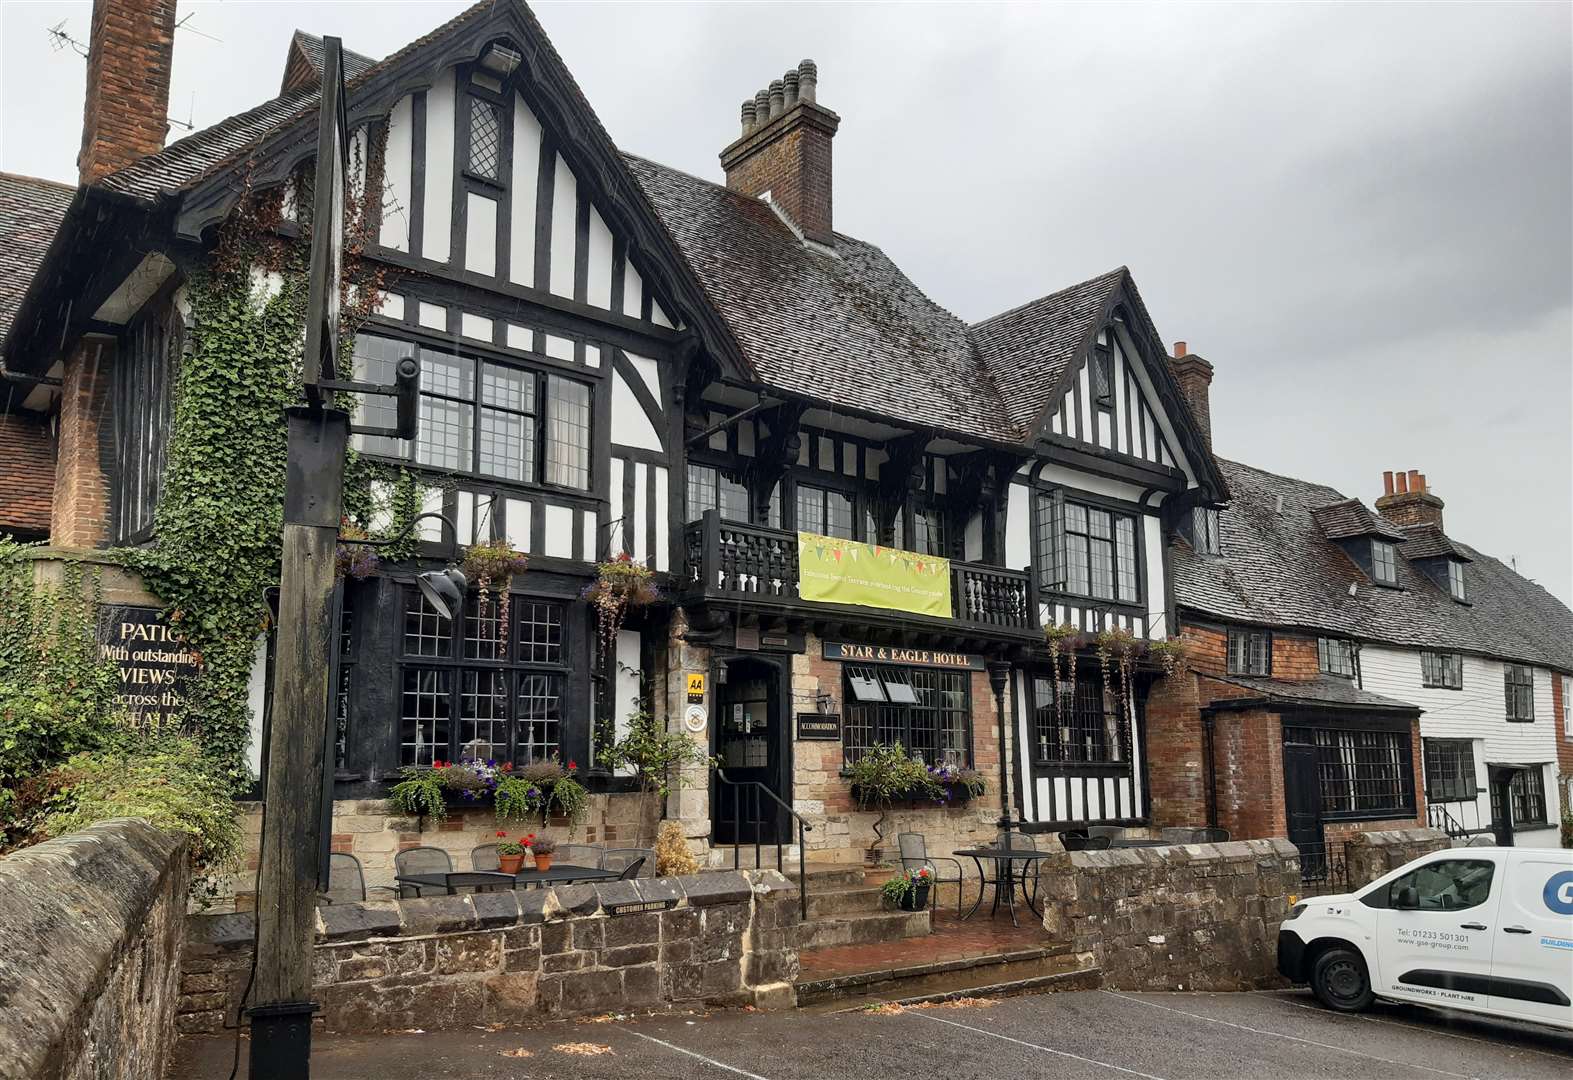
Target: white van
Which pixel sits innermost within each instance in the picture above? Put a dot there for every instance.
(1488, 930)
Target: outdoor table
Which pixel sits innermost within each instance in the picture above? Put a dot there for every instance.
(1140, 842)
(1004, 875)
(480, 879)
(564, 874)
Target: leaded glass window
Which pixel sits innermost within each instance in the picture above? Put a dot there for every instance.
(485, 138)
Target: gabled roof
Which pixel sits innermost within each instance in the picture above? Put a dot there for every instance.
(30, 213)
(1278, 569)
(306, 59)
(1322, 692)
(1348, 519)
(1029, 350)
(1429, 542)
(848, 328)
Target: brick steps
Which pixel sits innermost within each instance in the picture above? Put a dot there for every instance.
(1019, 972)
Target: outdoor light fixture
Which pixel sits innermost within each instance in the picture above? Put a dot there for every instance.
(444, 590)
(501, 59)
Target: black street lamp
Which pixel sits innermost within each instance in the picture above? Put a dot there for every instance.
(999, 678)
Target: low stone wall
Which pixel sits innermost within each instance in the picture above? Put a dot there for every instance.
(1370, 855)
(90, 951)
(1189, 917)
(503, 957)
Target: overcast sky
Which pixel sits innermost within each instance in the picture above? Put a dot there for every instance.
(1362, 214)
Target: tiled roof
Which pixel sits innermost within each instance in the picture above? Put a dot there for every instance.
(1326, 690)
(27, 473)
(849, 327)
(30, 212)
(1430, 542)
(1028, 349)
(310, 47)
(1278, 569)
(1349, 518)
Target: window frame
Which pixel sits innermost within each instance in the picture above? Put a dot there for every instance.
(1325, 659)
(502, 101)
(1248, 653)
(1100, 369)
(1457, 587)
(1460, 787)
(406, 451)
(1115, 727)
(1378, 545)
(869, 721)
(1339, 779)
(149, 351)
(1518, 681)
(1435, 663)
(1053, 558)
(1532, 793)
(1206, 530)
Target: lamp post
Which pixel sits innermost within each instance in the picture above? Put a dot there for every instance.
(999, 678)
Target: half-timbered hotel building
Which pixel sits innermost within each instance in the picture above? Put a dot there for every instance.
(620, 358)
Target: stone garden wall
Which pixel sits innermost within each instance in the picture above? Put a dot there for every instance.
(1189, 917)
(90, 952)
(503, 957)
(1370, 855)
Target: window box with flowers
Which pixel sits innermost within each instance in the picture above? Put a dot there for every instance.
(540, 788)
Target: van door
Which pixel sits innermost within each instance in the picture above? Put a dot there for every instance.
(1532, 951)
(1435, 932)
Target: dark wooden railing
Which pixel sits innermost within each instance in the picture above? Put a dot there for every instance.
(729, 561)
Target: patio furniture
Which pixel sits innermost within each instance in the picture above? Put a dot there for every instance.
(1074, 842)
(1113, 832)
(420, 861)
(581, 854)
(346, 881)
(631, 871)
(450, 882)
(1213, 835)
(914, 856)
(1005, 860)
(484, 857)
(562, 874)
(618, 860)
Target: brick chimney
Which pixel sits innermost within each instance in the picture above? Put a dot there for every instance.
(785, 151)
(1406, 500)
(1195, 377)
(129, 56)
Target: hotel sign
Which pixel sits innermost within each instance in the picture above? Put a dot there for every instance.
(901, 654)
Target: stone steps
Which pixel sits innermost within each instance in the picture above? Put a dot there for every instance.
(1019, 972)
(839, 900)
(861, 928)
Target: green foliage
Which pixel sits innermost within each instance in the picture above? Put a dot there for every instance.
(905, 884)
(166, 781)
(515, 799)
(420, 792)
(657, 756)
(885, 774)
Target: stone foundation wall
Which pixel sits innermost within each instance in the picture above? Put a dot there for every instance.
(450, 962)
(90, 953)
(1191, 917)
(1371, 854)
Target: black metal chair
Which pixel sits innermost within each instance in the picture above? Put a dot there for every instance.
(631, 871)
(914, 856)
(620, 859)
(346, 880)
(421, 860)
(1212, 835)
(476, 881)
(1081, 842)
(484, 857)
(1113, 832)
(589, 855)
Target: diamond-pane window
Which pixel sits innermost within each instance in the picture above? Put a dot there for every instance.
(485, 138)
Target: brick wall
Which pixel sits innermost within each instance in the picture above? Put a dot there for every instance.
(1294, 658)
(27, 474)
(451, 962)
(85, 449)
(1248, 749)
(1564, 736)
(1176, 753)
(789, 158)
(126, 109)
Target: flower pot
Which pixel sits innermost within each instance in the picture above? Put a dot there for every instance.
(510, 864)
(543, 862)
(916, 898)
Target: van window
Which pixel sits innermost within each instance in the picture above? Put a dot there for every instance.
(1447, 885)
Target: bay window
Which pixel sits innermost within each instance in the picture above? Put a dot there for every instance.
(1085, 550)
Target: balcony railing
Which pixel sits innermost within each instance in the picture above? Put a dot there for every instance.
(729, 561)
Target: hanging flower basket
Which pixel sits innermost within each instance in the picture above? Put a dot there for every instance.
(351, 559)
(619, 585)
(493, 566)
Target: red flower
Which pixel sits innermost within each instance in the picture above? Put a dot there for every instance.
(572, 765)
(501, 832)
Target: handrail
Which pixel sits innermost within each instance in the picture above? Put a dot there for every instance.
(737, 834)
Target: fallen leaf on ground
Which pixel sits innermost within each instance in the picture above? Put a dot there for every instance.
(958, 1003)
(489, 1027)
(582, 1049)
(410, 1031)
(520, 1052)
(889, 1008)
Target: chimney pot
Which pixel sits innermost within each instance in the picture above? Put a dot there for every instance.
(1179, 349)
(1413, 503)
(777, 98)
(762, 107)
(808, 81)
(1414, 481)
(1423, 482)
(1403, 482)
(789, 80)
(1387, 482)
(748, 115)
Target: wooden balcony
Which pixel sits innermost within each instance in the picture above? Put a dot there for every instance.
(756, 567)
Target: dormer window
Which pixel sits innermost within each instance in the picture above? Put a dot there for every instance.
(1205, 522)
(1102, 376)
(1384, 563)
(1455, 580)
(1336, 656)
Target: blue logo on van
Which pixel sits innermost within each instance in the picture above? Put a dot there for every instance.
(1559, 893)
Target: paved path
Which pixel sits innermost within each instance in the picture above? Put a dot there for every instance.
(1096, 1035)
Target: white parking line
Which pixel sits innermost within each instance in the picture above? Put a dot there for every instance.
(1426, 1028)
(1281, 1035)
(701, 1057)
(1035, 1046)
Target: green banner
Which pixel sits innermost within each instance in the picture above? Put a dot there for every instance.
(835, 571)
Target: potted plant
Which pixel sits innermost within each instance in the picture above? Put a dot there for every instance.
(543, 848)
(885, 774)
(957, 784)
(909, 890)
(510, 853)
(351, 559)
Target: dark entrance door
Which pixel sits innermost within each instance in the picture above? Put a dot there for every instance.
(1501, 781)
(753, 746)
(1303, 807)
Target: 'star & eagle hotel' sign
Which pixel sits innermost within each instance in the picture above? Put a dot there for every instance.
(900, 654)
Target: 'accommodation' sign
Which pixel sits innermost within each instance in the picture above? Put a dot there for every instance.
(155, 668)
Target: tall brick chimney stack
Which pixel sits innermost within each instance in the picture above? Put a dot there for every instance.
(129, 57)
(1406, 500)
(1195, 376)
(785, 150)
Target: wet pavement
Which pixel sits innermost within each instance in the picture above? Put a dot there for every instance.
(1088, 1034)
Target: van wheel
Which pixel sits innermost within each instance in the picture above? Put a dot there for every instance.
(1340, 981)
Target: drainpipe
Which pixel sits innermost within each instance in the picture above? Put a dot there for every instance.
(1212, 770)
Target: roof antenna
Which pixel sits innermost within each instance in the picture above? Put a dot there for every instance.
(189, 123)
(181, 25)
(62, 40)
